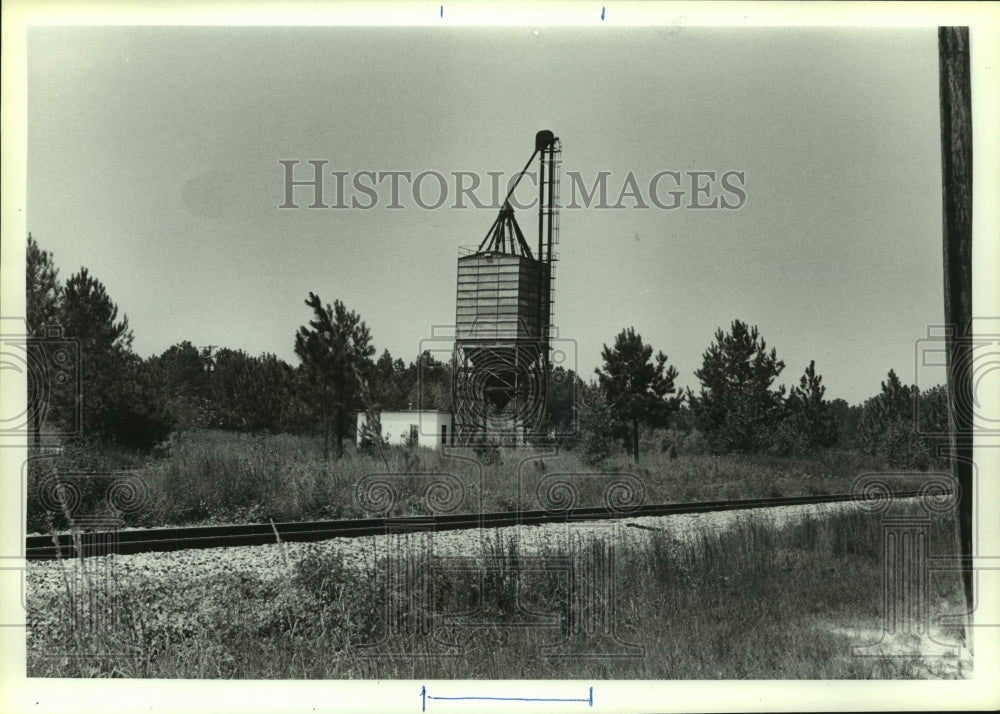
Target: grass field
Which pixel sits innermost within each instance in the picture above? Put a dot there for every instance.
(751, 601)
(219, 477)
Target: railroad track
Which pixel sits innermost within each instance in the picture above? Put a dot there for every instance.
(127, 542)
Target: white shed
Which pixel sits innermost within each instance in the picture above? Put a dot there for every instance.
(429, 428)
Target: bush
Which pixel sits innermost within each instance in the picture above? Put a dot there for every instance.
(696, 443)
(597, 426)
(889, 431)
(900, 445)
(671, 439)
(786, 439)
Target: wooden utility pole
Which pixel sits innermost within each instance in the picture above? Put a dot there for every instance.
(956, 180)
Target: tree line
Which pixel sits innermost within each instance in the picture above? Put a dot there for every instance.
(739, 409)
(138, 402)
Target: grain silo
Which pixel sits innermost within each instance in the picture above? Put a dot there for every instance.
(503, 318)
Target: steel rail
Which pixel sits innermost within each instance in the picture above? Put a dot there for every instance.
(127, 542)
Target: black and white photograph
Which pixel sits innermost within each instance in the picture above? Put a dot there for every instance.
(551, 358)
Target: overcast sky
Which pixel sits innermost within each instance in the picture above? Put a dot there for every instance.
(154, 161)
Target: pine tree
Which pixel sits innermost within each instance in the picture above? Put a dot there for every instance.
(388, 389)
(736, 406)
(182, 383)
(42, 289)
(888, 426)
(430, 383)
(119, 395)
(810, 413)
(43, 292)
(597, 424)
(637, 390)
(892, 405)
(336, 343)
(89, 316)
(561, 403)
